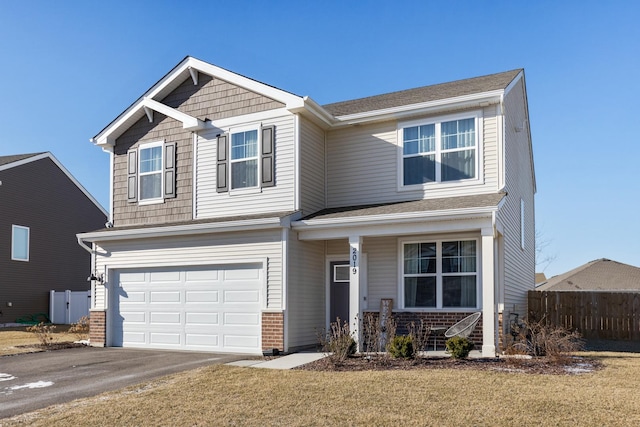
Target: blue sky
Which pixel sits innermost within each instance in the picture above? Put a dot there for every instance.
(70, 67)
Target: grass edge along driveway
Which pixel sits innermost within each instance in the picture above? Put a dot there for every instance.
(224, 395)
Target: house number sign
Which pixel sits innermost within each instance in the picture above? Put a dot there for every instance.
(354, 260)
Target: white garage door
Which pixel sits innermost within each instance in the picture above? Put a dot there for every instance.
(206, 309)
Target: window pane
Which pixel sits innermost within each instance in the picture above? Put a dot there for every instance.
(20, 247)
(244, 145)
(458, 134)
(411, 250)
(244, 174)
(458, 165)
(459, 291)
(420, 291)
(341, 273)
(150, 186)
(150, 159)
(459, 257)
(419, 139)
(419, 169)
(427, 138)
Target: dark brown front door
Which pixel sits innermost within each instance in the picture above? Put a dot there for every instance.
(339, 291)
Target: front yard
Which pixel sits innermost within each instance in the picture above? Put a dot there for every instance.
(224, 395)
(16, 340)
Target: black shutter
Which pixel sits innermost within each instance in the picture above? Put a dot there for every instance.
(132, 175)
(267, 156)
(222, 169)
(169, 170)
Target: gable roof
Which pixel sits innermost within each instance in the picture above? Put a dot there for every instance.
(17, 160)
(599, 275)
(489, 83)
(7, 160)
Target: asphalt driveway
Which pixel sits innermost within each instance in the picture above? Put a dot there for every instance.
(37, 380)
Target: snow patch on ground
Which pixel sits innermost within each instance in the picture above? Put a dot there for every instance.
(6, 377)
(580, 368)
(38, 384)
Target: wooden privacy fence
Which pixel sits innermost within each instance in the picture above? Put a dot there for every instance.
(596, 315)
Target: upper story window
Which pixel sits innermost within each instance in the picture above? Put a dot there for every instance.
(439, 151)
(244, 159)
(151, 172)
(440, 274)
(19, 243)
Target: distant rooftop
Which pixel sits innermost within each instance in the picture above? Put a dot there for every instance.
(599, 275)
(5, 160)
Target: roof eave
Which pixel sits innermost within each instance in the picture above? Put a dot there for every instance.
(477, 100)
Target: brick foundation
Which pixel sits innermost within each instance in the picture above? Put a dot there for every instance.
(440, 319)
(273, 331)
(98, 328)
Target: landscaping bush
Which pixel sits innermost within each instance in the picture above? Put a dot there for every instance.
(338, 342)
(540, 339)
(420, 334)
(375, 336)
(81, 328)
(459, 347)
(401, 347)
(44, 332)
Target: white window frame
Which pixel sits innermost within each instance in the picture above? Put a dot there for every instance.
(439, 274)
(437, 121)
(257, 187)
(13, 242)
(153, 200)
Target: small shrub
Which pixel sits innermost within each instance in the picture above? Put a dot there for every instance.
(539, 339)
(420, 334)
(338, 342)
(401, 347)
(44, 332)
(81, 328)
(459, 347)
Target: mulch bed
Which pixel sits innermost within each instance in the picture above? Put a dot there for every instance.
(572, 366)
(53, 346)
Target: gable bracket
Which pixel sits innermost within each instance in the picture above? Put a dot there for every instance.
(194, 75)
(149, 112)
(188, 122)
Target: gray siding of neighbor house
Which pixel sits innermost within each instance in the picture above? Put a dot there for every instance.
(40, 196)
(211, 99)
(519, 264)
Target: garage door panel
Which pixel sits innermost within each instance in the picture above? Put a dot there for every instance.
(214, 309)
(201, 296)
(240, 296)
(241, 319)
(201, 319)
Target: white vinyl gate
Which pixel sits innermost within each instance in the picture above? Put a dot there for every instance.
(68, 307)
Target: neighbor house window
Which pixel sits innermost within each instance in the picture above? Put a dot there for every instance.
(244, 159)
(439, 152)
(150, 172)
(440, 274)
(20, 243)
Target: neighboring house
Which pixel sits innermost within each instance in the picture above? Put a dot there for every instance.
(540, 278)
(246, 217)
(42, 208)
(599, 275)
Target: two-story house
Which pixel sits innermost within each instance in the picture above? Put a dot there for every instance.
(245, 217)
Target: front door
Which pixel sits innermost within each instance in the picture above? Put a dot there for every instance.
(339, 291)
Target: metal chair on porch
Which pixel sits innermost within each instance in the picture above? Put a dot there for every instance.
(464, 327)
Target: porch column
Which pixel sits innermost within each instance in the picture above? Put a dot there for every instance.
(488, 294)
(355, 245)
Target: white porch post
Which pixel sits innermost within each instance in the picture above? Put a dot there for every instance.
(488, 294)
(355, 245)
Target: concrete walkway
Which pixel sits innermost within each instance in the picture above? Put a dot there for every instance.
(289, 361)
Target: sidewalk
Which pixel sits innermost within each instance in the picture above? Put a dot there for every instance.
(289, 361)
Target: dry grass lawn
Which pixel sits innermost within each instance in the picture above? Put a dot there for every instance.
(17, 340)
(223, 395)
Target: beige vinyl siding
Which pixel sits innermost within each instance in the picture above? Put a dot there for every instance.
(312, 167)
(209, 249)
(210, 204)
(382, 270)
(519, 264)
(306, 289)
(363, 162)
(338, 247)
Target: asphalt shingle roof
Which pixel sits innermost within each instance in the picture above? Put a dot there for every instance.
(5, 160)
(599, 275)
(447, 203)
(423, 94)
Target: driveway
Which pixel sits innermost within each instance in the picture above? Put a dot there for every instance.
(37, 380)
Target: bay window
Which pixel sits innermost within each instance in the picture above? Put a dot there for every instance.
(440, 274)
